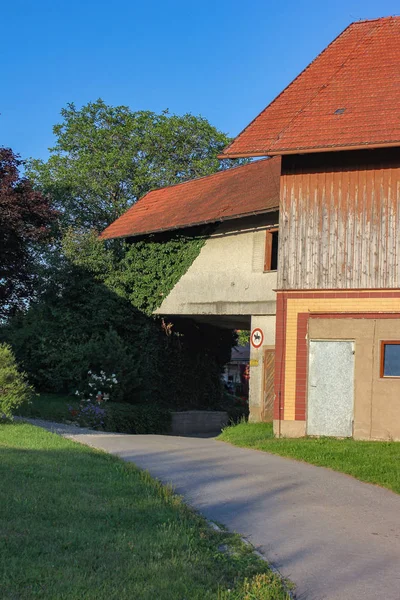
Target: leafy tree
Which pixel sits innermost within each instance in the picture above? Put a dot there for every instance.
(107, 157)
(94, 302)
(25, 222)
(14, 389)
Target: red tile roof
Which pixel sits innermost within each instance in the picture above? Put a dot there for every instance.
(247, 190)
(348, 97)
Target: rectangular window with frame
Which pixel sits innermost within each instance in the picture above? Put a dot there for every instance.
(390, 358)
(271, 250)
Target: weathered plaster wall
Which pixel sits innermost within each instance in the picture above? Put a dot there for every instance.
(376, 399)
(227, 278)
(256, 397)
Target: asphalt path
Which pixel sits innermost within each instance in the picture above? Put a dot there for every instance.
(335, 537)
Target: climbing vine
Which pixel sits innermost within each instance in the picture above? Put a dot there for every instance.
(142, 270)
(151, 267)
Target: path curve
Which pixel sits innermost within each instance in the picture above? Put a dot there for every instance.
(335, 537)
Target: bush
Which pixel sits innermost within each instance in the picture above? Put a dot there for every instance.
(139, 418)
(86, 326)
(236, 407)
(14, 389)
(89, 414)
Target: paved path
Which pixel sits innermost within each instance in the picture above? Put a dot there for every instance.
(335, 537)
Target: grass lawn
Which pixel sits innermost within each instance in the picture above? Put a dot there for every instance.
(79, 524)
(373, 462)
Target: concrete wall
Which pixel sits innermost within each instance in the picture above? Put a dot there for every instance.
(256, 396)
(227, 278)
(226, 285)
(376, 399)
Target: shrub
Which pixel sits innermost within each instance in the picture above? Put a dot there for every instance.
(14, 389)
(93, 312)
(97, 386)
(139, 418)
(236, 407)
(89, 414)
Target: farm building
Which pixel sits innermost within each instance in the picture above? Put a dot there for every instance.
(307, 247)
(232, 282)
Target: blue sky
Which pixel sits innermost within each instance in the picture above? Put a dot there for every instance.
(224, 60)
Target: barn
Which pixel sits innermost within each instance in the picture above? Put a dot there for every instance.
(307, 244)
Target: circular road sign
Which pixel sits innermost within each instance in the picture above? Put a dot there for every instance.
(257, 337)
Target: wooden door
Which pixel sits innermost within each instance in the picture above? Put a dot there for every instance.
(269, 391)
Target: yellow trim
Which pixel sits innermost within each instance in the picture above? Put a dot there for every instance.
(334, 305)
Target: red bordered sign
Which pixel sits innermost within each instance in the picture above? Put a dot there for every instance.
(257, 337)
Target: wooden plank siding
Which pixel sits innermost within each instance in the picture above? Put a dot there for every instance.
(340, 220)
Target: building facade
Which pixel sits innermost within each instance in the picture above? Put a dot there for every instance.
(232, 282)
(339, 286)
(337, 360)
(311, 234)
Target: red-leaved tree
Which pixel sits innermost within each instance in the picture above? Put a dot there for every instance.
(26, 217)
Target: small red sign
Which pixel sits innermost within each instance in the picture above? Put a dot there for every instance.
(257, 337)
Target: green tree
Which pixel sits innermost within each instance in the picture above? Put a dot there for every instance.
(94, 304)
(14, 389)
(107, 157)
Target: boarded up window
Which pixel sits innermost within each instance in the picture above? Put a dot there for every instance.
(390, 359)
(271, 250)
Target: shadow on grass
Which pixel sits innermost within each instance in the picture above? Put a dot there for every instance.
(77, 523)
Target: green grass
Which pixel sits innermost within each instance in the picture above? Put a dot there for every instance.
(79, 524)
(51, 407)
(373, 462)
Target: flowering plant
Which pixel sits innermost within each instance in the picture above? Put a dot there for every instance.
(93, 394)
(89, 414)
(98, 387)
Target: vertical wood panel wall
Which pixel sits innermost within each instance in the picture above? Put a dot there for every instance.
(340, 221)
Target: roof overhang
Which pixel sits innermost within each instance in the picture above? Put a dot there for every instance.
(196, 224)
(243, 191)
(313, 150)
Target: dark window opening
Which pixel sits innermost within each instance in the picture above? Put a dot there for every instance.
(271, 250)
(390, 359)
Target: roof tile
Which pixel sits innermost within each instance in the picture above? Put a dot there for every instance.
(250, 189)
(358, 72)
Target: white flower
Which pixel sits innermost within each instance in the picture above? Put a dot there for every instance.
(89, 372)
(76, 393)
(115, 381)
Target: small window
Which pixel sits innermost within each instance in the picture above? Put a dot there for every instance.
(271, 250)
(390, 359)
